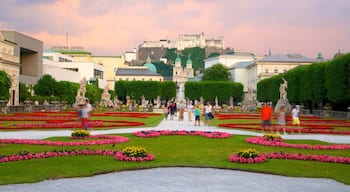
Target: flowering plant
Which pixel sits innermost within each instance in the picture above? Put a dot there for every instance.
(272, 137)
(134, 154)
(134, 151)
(207, 134)
(247, 156)
(80, 133)
(247, 153)
(263, 141)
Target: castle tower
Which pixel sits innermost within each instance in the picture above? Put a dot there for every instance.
(189, 69)
(178, 73)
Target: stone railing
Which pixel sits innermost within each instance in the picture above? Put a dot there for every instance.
(327, 113)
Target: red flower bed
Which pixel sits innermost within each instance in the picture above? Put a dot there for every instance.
(208, 134)
(259, 159)
(66, 120)
(27, 155)
(263, 157)
(323, 129)
(106, 139)
(308, 157)
(121, 157)
(281, 143)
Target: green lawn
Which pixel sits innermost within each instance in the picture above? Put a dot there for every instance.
(170, 151)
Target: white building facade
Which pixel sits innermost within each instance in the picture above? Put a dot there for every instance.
(63, 68)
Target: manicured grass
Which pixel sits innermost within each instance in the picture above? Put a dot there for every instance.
(170, 151)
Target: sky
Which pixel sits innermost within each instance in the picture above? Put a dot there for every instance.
(112, 27)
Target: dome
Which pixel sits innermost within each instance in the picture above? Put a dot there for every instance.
(189, 61)
(177, 59)
(151, 67)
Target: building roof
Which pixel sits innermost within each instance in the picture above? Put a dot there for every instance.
(151, 67)
(297, 58)
(135, 72)
(242, 64)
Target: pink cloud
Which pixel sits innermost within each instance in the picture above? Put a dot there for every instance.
(113, 27)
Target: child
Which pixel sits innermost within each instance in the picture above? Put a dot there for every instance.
(197, 114)
(282, 119)
(166, 111)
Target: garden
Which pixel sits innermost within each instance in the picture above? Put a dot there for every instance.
(83, 154)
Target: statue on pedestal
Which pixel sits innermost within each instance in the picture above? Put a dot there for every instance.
(80, 99)
(283, 100)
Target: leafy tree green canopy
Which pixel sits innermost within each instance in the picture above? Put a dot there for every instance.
(217, 72)
(5, 84)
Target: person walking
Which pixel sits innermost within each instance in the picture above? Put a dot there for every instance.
(182, 108)
(295, 116)
(208, 113)
(166, 111)
(282, 119)
(266, 116)
(197, 113)
(189, 110)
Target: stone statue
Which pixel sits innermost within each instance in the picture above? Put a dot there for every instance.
(143, 101)
(216, 102)
(128, 101)
(80, 99)
(105, 98)
(283, 86)
(283, 101)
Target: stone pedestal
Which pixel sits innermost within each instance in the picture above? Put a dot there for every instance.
(285, 103)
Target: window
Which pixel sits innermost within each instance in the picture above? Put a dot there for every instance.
(275, 70)
(98, 74)
(266, 70)
(284, 70)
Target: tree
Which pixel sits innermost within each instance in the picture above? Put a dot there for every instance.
(167, 90)
(93, 93)
(5, 84)
(46, 86)
(213, 54)
(164, 69)
(193, 90)
(24, 92)
(120, 89)
(67, 91)
(217, 72)
(338, 80)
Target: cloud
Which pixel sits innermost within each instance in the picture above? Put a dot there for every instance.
(113, 27)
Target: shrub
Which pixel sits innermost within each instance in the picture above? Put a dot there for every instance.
(272, 137)
(80, 133)
(247, 153)
(134, 151)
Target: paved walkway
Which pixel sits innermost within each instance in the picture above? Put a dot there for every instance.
(179, 179)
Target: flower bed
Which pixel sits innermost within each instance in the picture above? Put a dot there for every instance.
(280, 155)
(132, 153)
(106, 139)
(43, 155)
(308, 157)
(66, 120)
(325, 129)
(247, 156)
(207, 134)
(263, 141)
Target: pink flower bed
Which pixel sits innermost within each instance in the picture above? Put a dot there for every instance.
(43, 155)
(308, 157)
(121, 157)
(207, 134)
(235, 158)
(106, 139)
(263, 141)
(305, 157)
